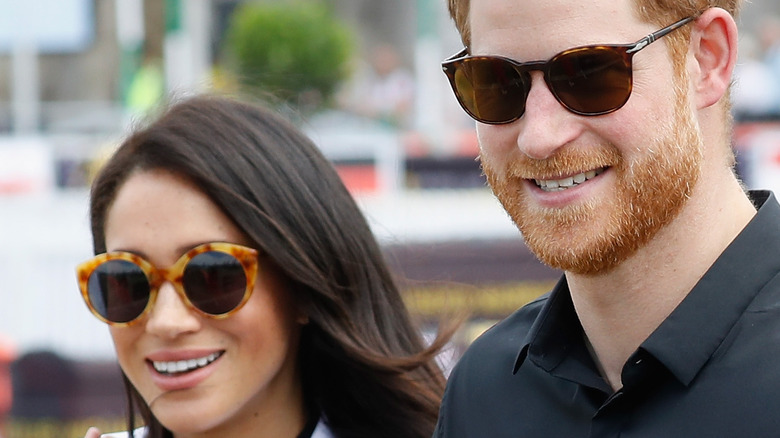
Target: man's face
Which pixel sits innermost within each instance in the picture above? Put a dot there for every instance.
(587, 192)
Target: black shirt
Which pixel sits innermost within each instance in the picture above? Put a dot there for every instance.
(711, 369)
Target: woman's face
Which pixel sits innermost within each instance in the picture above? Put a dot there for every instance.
(250, 381)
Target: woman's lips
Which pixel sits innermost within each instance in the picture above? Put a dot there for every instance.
(180, 366)
(178, 373)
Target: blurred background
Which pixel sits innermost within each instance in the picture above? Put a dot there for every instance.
(361, 77)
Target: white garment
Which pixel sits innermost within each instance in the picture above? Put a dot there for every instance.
(138, 433)
(321, 431)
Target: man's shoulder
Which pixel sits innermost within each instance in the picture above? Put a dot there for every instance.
(482, 389)
(500, 344)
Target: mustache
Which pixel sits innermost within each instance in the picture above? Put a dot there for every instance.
(565, 162)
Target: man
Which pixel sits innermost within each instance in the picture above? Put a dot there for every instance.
(613, 158)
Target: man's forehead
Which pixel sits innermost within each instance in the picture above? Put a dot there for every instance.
(510, 27)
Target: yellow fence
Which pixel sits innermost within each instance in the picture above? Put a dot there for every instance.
(496, 301)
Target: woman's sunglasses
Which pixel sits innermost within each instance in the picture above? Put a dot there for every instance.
(215, 279)
(589, 80)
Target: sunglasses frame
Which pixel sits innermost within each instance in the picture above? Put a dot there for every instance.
(248, 257)
(451, 65)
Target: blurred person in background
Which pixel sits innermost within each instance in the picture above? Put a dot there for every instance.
(383, 91)
(8, 354)
(605, 131)
(769, 37)
(756, 90)
(147, 88)
(243, 289)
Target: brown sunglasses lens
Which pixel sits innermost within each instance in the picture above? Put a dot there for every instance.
(215, 282)
(590, 81)
(118, 290)
(587, 81)
(491, 90)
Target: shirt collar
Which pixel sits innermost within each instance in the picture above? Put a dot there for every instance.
(686, 340)
(554, 331)
(679, 343)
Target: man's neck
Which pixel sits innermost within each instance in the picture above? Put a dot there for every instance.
(620, 309)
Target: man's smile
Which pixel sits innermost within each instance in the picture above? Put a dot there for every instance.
(555, 185)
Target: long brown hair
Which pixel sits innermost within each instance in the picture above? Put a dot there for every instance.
(365, 367)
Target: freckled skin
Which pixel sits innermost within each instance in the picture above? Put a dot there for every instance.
(651, 168)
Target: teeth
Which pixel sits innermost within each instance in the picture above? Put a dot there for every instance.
(184, 365)
(556, 185)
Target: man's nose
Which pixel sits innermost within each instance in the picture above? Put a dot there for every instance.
(546, 124)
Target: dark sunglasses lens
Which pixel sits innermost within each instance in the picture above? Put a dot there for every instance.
(491, 90)
(118, 290)
(214, 282)
(592, 80)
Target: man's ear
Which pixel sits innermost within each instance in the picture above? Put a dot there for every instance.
(714, 49)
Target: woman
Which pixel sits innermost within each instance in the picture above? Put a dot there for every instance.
(244, 291)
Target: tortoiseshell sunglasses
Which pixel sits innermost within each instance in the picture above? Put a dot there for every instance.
(588, 80)
(216, 279)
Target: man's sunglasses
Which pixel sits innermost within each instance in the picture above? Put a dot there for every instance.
(589, 80)
(215, 279)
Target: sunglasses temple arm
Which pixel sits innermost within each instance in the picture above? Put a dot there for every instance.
(646, 41)
(461, 54)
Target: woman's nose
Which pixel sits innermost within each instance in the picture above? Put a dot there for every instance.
(170, 316)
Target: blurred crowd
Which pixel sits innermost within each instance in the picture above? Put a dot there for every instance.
(756, 91)
(382, 88)
(7, 356)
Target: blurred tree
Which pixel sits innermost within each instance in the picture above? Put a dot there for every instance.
(294, 52)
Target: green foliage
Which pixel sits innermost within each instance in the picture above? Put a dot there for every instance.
(296, 51)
